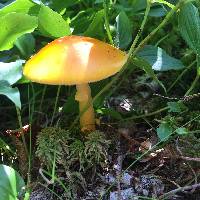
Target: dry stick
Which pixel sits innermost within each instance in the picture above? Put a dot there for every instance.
(181, 189)
(189, 158)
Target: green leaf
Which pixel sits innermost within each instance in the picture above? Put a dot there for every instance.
(182, 131)
(11, 72)
(139, 5)
(176, 107)
(26, 45)
(189, 25)
(12, 93)
(11, 183)
(61, 4)
(71, 105)
(51, 24)
(157, 11)
(96, 28)
(165, 3)
(14, 25)
(124, 31)
(20, 6)
(111, 112)
(141, 63)
(164, 131)
(81, 21)
(159, 59)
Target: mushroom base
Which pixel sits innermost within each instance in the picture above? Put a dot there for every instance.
(87, 117)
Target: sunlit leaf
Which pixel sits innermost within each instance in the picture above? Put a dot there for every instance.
(182, 131)
(20, 6)
(11, 72)
(13, 25)
(51, 24)
(11, 183)
(12, 93)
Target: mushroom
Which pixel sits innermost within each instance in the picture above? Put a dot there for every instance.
(76, 60)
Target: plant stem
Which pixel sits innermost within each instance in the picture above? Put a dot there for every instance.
(105, 6)
(196, 78)
(30, 139)
(193, 84)
(21, 126)
(141, 28)
(147, 115)
(55, 105)
(42, 98)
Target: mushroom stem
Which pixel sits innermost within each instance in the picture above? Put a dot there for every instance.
(83, 96)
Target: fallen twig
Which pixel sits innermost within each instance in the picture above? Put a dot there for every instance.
(180, 189)
(189, 158)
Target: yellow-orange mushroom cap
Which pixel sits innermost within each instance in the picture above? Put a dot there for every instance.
(74, 60)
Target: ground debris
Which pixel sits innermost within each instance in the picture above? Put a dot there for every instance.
(41, 194)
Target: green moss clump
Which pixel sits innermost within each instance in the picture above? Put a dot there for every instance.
(52, 143)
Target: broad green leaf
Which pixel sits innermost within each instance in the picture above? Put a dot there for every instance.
(141, 63)
(26, 45)
(176, 107)
(164, 131)
(124, 31)
(96, 28)
(189, 25)
(51, 24)
(11, 183)
(159, 59)
(182, 131)
(14, 25)
(12, 93)
(11, 72)
(20, 6)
